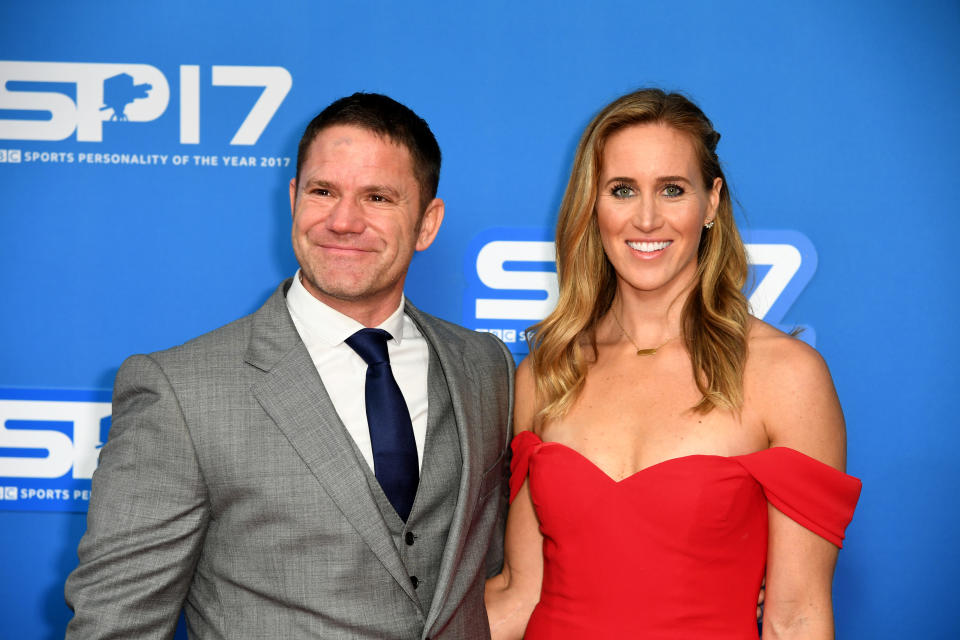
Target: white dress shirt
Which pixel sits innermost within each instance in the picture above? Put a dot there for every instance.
(344, 373)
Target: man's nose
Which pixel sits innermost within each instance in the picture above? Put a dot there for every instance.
(346, 216)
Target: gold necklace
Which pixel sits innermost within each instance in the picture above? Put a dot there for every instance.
(640, 352)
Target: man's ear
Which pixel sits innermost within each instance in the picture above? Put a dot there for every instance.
(293, 196)
(430, 224)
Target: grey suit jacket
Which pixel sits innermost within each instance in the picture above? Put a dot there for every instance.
(229, 487)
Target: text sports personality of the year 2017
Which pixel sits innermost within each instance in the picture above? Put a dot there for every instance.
(331, 466)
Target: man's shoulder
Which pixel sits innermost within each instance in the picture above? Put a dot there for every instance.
(228, 341)
(230, 337)
(440, 325)
(480, 348)
(450, 330)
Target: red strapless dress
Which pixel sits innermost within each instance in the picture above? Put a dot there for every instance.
(677, 550)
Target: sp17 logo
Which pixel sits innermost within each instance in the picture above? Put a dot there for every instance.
(49, 444)
(96, 93)
(512, 279)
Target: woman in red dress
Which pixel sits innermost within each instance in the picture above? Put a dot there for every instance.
(671, 450)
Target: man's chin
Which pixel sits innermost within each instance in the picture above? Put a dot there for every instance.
(331, 289)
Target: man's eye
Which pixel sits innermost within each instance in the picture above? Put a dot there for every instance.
(673, 190)
(320, 192)
(621, 191)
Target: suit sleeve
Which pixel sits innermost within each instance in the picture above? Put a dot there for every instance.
(147, 517)
(494, 561)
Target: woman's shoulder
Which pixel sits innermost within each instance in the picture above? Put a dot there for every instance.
(525, 380)
(525, 394)
(778, 358)
(788, 384)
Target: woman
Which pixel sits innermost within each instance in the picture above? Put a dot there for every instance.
(671, 450)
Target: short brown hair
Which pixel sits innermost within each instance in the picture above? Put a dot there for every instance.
(386, 117)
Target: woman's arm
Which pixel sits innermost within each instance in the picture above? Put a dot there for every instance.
(800, 410)
(512, 595)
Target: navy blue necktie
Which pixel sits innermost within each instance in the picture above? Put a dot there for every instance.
(391, 432)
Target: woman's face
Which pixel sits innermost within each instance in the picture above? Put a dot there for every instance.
(652, 205)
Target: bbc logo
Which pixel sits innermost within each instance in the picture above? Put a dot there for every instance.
(10, 155)
(507, 335)
(8, 493)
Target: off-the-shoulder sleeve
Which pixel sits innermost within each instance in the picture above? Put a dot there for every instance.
(814, 494)
(523, 445)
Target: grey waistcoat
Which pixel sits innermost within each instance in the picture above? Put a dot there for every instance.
(422, 539)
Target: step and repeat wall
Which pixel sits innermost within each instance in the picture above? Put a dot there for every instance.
(145, 153)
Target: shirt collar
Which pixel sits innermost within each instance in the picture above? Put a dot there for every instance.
(322, 325)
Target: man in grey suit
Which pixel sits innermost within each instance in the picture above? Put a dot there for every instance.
(276, 478)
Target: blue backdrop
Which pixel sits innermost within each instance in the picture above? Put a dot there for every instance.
(145, 152)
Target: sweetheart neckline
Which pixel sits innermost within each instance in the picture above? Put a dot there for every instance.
(636, 473)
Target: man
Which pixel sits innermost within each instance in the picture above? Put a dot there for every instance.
(276, 478)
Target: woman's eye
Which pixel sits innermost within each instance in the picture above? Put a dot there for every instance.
(672, 190)
(621, 191)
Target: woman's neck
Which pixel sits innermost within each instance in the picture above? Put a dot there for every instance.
(649, 318)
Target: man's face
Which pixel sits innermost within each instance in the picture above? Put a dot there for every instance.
(357, 221)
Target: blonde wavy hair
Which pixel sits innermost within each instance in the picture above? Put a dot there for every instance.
(715, 315)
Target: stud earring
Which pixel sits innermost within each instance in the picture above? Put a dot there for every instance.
(708, 225)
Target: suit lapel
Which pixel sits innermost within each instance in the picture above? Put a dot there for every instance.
(460, 377)
(294, 397)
